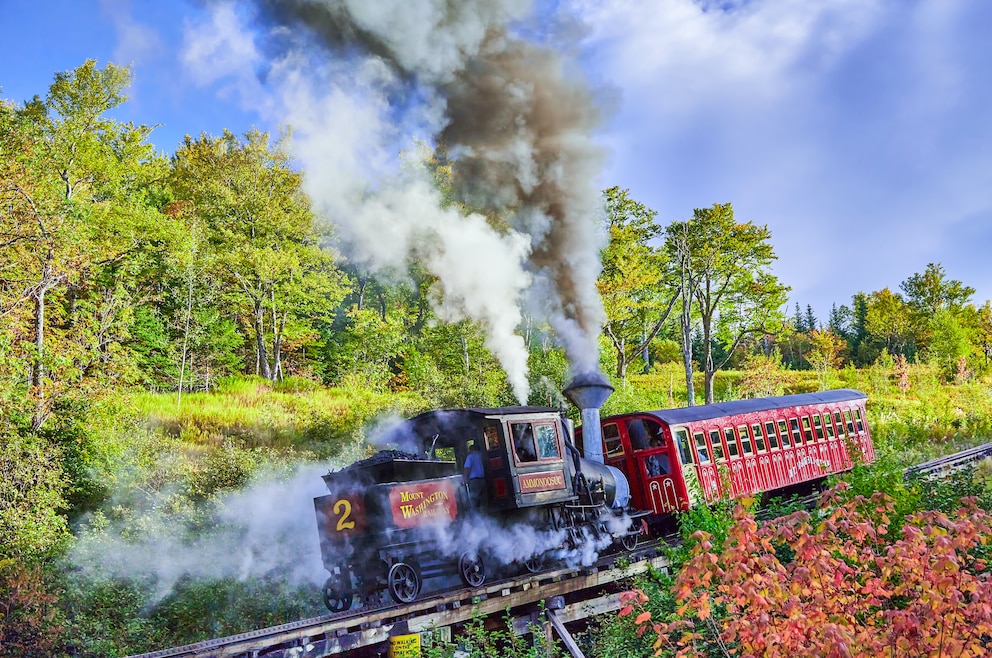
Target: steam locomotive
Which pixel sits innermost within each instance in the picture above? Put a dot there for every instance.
(551, 492)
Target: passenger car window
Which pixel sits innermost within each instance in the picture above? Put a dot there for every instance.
(717, 445)
(728, 433)
(772, 438)
(861, 422)
(783, 432)
(828, 425)
(704, 454)
(637, 433)
(818, 426)
(657, 465)
(745, 440)
(839, 422)
(682, 441)
(797, 438)
(759, 439)
(612, 445)
(807, 433)
(850, 422)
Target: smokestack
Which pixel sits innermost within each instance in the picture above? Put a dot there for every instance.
(588, 392)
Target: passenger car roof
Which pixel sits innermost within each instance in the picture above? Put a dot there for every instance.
(736, 407)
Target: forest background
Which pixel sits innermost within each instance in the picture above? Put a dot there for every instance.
(179, 335)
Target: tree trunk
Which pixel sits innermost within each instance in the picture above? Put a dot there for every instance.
(38, 369)
(263, 358)
(686, 322)
(182, 367)
(277, 346)
(708, 370)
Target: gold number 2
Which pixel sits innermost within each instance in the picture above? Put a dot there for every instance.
(343, 507)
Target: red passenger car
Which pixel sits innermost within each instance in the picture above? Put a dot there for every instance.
(736, 448)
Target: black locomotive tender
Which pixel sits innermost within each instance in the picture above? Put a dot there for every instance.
(388, 521)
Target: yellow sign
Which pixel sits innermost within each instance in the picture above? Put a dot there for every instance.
(404, 646)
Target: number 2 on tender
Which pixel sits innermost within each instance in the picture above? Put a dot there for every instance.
(343, 507)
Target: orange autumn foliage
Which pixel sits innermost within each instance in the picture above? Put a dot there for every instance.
(849, 589)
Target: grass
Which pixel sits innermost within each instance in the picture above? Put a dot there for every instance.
(321, 420)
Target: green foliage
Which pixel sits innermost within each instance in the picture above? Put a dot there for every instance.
(475, 640)
(724, 266)
(637, 291)
(614, 635)
(715, 519)
(33, 487)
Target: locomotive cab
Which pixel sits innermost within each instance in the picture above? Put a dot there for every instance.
(524, 451)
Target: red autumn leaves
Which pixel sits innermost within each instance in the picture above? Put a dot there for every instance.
(835, 585)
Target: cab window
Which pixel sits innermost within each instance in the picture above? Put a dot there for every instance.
(491, 434)
(547, 442)
(523, 442)
(612, 445)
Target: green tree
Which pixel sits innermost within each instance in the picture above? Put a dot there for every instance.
(637, 295)
(888, 324)
(931, 291)
(80, 222)
(948, 341)
(725, 266)
(266, 246)
(825, 354)
(982, 330)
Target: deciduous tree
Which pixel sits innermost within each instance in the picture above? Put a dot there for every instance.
(637, 291)
(267, 247)
(725, 267)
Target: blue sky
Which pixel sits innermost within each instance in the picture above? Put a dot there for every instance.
(858, 130)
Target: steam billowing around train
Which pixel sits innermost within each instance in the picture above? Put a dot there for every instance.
(480, 492)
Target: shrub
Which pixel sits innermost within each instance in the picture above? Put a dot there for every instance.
(29, 619)
(930, 595)
(32, 497)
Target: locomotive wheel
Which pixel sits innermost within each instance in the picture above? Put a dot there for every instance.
(629, 540)
(535, 563)
(335, 597)
(404, 582)
(472, 570)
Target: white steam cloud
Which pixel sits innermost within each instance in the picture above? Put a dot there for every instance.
(265, 530)
(518, 225)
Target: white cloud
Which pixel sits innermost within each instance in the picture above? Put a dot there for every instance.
(698, 53)
(136, 42)
(222, 49)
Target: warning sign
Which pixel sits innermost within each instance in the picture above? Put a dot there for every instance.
(404, 646)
